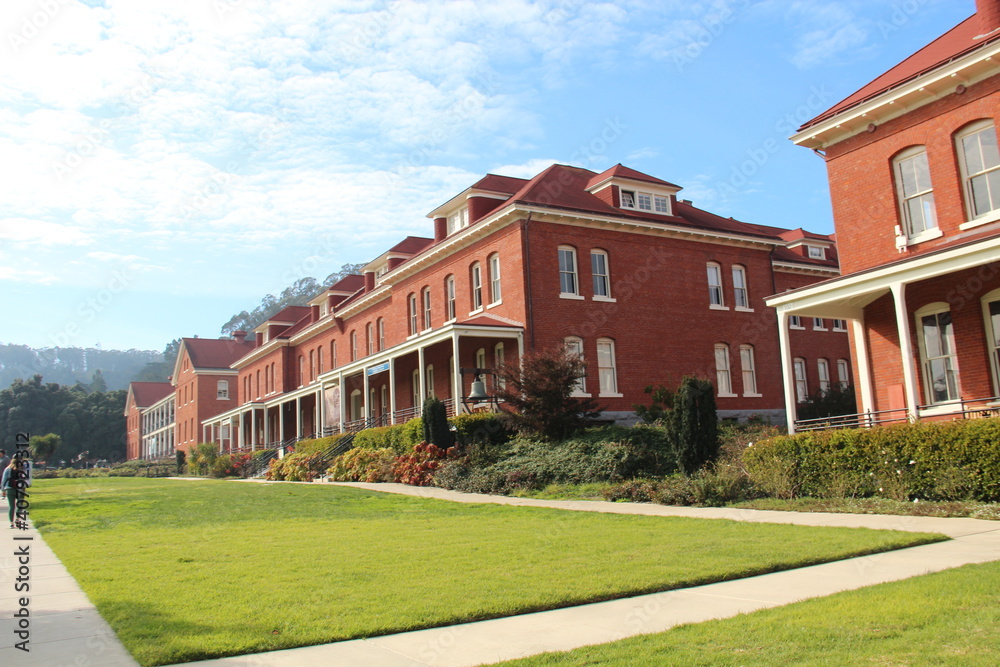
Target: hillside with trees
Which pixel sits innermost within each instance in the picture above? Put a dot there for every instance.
(70, 365)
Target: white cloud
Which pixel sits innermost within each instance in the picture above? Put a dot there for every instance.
(41, 232)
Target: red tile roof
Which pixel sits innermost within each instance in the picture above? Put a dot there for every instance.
(955, 43)
(215, 353)
(411, 245)
(290, 314)
(297, 327)
(621, 171)
(503, 184)
(487, 321)
(148, 393)
(351, 283)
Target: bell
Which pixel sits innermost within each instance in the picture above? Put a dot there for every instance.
(478, 390)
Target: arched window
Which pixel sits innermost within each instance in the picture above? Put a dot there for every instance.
(801, 385)
(723, 379)
(574, 347)
(607, 373)
(370, 338)
(498, 362)
(476, 281)
(749, 369)
(915, 194)
(426, 298)
(979, 162)
(823, 372)
(715, 293)
(411, 304)
(429, 378)
(600, 273)
(354, 345)
(494, 268)
(449, 298)
(568, 283)
(741, 296)
(380, 332)
(938, 356)
(843, 373)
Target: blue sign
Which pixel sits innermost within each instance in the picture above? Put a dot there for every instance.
(375, 370)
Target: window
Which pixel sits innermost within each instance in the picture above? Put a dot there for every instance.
(740, 297)
(715, 285)
(429, 375)
(991, 311)
(749, 372)
(477, 286)
(567, 271)
(449, 296)
(415, 385)
(823, 368)
(599, 271)
(937, 350)
(312, 365)
(795, 322)
(427, 308)
(645, 201)
(458, 220)
(723, 381)
(574, 348)
(801, 388)
(412, 314)
(333, 354)
(319, 359)
(839, 325)
(380, 332)
(498, 365)
(816, 252)
(481, 358)
(916, 197)
(370, 339)
(980, 163)
(302, 370)
(843, 373)
(628, 199)
(354, 346)
(660, 204)
(222, 390)
(494, 266)
(606, 374)
(818, 324)
(385, 400)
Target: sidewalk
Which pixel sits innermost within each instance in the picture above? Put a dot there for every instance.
(483, 642)
(65, 629)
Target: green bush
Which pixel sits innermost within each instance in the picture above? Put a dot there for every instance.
(436, 429)
(363, 465)
(957, 460)
(143, 468)
(296, 467)
(709, 487)
(401, 438)
(695, 424)
(70, 473)
(315, 445)
(481, 428)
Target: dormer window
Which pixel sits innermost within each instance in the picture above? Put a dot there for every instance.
(816, 252)
(458, 220)
(645, 201)
(381, 271)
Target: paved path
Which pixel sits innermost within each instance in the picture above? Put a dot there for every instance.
(65, 629)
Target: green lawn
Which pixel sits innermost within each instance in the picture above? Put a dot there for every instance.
(947, 618)
(193, 569)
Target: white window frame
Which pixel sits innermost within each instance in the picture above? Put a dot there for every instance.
(498, 361)
(991, 175)
(568, 273)
(493, 266)
(429, 381)
(748, 367)
(574, 345)
(426, 298)
(839, 325)
(416, 394)
(607, 370)
(816, 252)
(801, 381)
(370, 334)
(476, 281)
(354, 345)
(641, 200)
(823, 371)
(723, 372)
(716, 291)
(741, 291)
(380, 332)
(411, 303)
(600, 275)
(222, 390)
(843, 373)
(818, 323)
(449, 296)
(949, 356)
(910, 161)
(795, 322)
(458, 220)
(993, 336)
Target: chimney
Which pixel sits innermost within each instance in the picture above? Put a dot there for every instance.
(369, 281)
(395, 261)
(239, 336)
(988, 12)
(314, 313)
(440, 229)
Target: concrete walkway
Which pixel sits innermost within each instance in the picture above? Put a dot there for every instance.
(65, 629)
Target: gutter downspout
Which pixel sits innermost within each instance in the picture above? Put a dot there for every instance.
(526, 253)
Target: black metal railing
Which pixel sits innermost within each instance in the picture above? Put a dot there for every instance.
(963, 408)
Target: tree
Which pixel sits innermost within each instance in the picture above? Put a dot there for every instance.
(98, 383)
(537, 393)
(44, 446)
(435, 423)
(663, 403)
(695, 424)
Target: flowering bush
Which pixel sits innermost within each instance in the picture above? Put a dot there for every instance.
(363, 465)
(229, 465)
(417, 469)
(298, 467)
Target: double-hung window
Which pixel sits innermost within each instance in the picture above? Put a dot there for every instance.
(494, 266)
(449, 296)
(599, 271)
(749, 370)
(412, 314)
(823, 368)
(991, 312)
(979, 159)
(916, 196)
(937, 349)
(477, 286)
(370, 339)
(427, 308)
(723, 379)
(843, 373)
(741, 298)
(568, 284)
(574, 348)
(801, 387)
(715, 296)
(606, 372)
(380, 327)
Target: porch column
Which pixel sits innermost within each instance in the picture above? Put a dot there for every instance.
(456, 373)
(343, 400)
(419, 393)
(281, 422)
(319, 412)
(905, 349)
(253, 423)
(267, 427)
(298, 417)
(364, 393)
(864, 380)
(787, 370)
(392, 390)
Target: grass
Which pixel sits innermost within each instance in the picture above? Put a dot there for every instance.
(942, 508)
(184, 570)
(947, 618)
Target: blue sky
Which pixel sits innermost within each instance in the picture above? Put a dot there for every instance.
(167, 163)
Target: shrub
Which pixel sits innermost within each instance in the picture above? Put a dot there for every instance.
(143, 468)
(695, 424)
(363, 465)
(663, 403)
(401, 438)
(481, 428)
(436, 429)
(230, 465)
(316, 445)
(201, 458)
(417, 468)
(929, 460)
(296, 467)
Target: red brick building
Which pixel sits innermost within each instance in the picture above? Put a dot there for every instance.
(144, 422)
(646, 286)
(914, 176)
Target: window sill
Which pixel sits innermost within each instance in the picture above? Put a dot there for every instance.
(820, 329)
(615, 395)
(576, 394)
(476, 311)
(753, 395)
(721, 395)
(792, 326)
(715, 306)
(495, 304)
(605, 299)
(574, 297)
(451, 321)
(992, 216)
(743, 309)
(929, 235)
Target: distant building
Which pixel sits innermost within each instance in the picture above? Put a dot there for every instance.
(914, 176)
(149, 419)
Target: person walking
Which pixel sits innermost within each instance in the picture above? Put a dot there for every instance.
(4, 460)
(8, 488)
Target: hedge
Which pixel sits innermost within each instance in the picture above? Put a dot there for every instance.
(400, 438)
(957, 460)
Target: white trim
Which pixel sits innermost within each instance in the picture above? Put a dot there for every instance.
(992, 336)
(574, 297)
(604, 299)
(741, 309)
(992, 216)
(714, 306)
